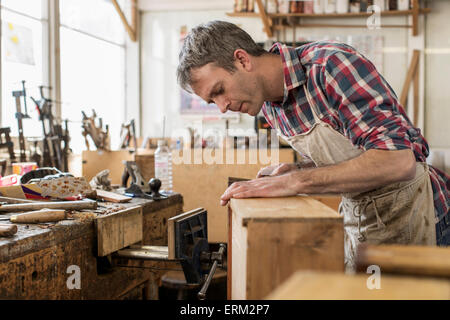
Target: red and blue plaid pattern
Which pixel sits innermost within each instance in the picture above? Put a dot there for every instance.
(360, 104)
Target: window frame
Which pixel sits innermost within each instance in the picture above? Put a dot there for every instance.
(51, 62)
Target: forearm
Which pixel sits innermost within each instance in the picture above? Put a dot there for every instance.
(373, 169)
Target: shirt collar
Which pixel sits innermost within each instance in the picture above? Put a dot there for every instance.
(294, 76)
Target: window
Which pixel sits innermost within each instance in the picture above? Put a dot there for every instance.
(22, 58)
(92, 66)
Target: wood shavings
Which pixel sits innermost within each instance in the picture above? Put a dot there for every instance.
(81, 216)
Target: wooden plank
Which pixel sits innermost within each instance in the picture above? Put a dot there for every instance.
(329, 15)
(304, 285)
(277, 248)
(415, 17)
(273, 237)
(409, 77)
(171, 230)
(131, 29)
(412, 260)
(95, 161)
(118, 230)
(112, 196)
(265, 18)
(416, 97)
(146, 164)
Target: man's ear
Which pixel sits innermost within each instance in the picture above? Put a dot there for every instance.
(243, 59)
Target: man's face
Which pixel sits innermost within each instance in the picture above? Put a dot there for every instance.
(238, 91)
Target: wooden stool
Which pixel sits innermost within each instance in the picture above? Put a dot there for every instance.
(176, 280)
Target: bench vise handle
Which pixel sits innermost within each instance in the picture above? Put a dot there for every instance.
(216, 257)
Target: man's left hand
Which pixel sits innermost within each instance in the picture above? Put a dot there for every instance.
(278, 186)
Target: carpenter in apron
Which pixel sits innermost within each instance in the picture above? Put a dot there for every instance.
(401, 213)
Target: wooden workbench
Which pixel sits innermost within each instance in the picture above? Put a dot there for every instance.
(34, 263)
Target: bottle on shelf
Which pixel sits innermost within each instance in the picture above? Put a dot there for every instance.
(403, 5)
(355, 6)
(308, 7)
(272, 6)
(379, 4)
(163, 166)
(319, 6)
(283, 6)
(342, 6)
(330, 6)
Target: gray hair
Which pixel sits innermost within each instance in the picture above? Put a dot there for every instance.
(214, 42)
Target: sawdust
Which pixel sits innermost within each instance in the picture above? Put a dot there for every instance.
(81, 216)
(90, 215)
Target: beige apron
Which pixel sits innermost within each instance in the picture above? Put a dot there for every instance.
(401, 213)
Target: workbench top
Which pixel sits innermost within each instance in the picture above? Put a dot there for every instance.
(34, 237)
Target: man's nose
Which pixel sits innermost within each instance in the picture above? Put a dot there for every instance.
(223, 104)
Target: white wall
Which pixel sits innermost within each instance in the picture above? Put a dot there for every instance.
(160, 46)
(437, 74)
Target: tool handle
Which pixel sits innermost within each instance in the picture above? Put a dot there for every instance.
(202, 294)
(39, 216)
(7, 230)
(67, 205)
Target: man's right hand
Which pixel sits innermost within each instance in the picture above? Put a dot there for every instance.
(276, 170)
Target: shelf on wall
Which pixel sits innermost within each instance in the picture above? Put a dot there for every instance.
(328, 15)
(269, 26)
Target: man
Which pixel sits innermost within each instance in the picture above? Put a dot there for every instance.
(334, 108)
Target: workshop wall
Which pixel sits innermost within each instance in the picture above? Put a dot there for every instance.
(160, 47)
(437, 74)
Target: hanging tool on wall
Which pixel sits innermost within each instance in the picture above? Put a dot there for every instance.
(98, 135)
(53, 153)
(128, 132)
(20, 116)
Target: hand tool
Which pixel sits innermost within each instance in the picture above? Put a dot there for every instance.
(20, 116)
(15, 200)
(131, 169)
(191, 249)
(67, 205)
(7, 230)
(40, 216)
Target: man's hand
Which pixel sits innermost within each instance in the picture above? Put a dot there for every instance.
(266, 187)
(372, 169)
(276, 169)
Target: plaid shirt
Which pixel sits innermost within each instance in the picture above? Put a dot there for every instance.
(361, 104)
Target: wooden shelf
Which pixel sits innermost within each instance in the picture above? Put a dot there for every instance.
(327, 15)
(269, 26)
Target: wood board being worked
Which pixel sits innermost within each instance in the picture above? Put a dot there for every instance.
(118, 230)
(172, 230)
(307, 285)
(405, 259)
(271, 238)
